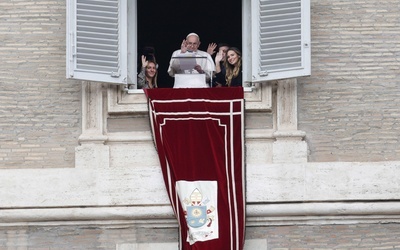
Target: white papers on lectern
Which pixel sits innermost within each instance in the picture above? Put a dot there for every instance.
(187, 63)
(183, 63)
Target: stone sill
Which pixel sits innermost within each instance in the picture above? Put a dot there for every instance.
(122, 101)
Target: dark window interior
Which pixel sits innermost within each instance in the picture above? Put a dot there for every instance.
(164, 24)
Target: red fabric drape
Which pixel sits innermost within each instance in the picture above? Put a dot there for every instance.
(199, 139)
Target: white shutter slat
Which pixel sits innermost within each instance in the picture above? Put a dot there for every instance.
(280, 25)
(97, 26)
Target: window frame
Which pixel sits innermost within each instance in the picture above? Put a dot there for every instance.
(127, 24)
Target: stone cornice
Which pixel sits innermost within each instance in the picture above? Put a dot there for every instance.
(256, 214)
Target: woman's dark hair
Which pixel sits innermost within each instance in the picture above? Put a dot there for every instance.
(223, 45)
(149, 52)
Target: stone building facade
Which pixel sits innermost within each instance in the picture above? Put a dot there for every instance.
(78, 168)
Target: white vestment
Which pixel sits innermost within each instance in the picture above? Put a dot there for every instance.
(181, 67)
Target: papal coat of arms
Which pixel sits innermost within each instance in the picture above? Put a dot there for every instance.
(199, 203)
(197, 212)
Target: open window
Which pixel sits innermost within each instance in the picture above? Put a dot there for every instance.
(102, 39)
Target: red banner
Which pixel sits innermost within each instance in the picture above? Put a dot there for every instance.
(199, 139)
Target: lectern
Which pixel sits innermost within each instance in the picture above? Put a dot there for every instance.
(186, 76)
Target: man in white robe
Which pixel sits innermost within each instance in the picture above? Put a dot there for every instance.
(191, 68)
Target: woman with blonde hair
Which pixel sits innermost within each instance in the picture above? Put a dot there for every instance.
(147, 78)
(233, 66)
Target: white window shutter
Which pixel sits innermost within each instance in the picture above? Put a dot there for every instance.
(97, 40)
(280, 34)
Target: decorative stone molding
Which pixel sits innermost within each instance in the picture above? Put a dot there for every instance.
(92, 114)
(162, 216)
(286, 105)
(258, 98)
(249, 244)
(289, 146)
(121, 101)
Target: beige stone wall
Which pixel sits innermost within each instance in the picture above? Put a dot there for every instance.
(40, 110)
(364, 236)
(349, 107)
